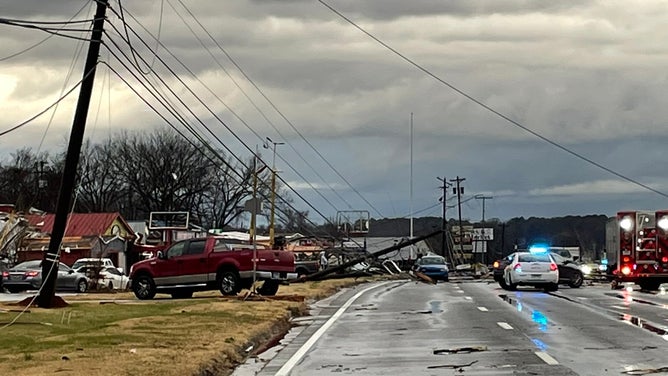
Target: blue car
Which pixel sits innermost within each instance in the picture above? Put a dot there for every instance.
(433, 266)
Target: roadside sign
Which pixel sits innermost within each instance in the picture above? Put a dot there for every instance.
(483, 234)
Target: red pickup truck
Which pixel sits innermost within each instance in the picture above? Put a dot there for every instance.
(211, 263)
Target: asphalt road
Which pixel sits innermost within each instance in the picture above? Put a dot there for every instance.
(473, 328)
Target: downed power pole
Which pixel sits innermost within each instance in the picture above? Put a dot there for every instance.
(396, 247)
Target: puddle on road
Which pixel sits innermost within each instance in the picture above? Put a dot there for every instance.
(435, 306)
(639, 322)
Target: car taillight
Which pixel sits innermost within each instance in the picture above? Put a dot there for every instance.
(626, 270)
(626, 259)
(31, 274)
(664, 259)
(496, 264)
(553, 267)
(518, 267)
(5, 274)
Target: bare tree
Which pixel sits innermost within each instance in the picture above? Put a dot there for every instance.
(167, 172)
(21, 179)
(101, 186)
(231, 185)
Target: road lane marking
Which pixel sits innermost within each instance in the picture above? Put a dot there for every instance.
(299, 354)
(546, 358)
(483, 309)
(618, 307)
(468, 298)
(504, 325)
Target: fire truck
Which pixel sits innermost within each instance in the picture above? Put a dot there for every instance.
(637, 248)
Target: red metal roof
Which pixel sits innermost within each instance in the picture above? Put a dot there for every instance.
(78, 224)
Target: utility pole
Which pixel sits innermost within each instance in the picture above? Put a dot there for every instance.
(459, 191)
(483, 198)
(444, 224)
(273, 190)
(51, 256)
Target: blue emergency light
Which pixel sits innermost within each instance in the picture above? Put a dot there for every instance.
(538, 248)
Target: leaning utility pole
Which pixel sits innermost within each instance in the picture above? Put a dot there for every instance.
(459, 190)
(51, 256)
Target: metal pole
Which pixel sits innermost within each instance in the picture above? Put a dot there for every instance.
(51, 256)
(273, 192)
(483, 198)
(444, 222)
(411, 179)
(459, 205)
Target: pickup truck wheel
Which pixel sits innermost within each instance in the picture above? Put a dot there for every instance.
(269, 288)
(144, 287)
(228, 282)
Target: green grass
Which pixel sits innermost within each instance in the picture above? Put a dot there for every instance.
(82, 325)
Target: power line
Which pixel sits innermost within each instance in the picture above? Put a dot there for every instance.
(280, 112)
(49, 30)
(178, 117)
(212, 113)
(237, 116)
(43, 111)
(259, 110)
(43, 40)
(489, 108)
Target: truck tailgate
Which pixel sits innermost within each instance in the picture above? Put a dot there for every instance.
(276, 260)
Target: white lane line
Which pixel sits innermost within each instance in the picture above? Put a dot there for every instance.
(546, 358)
(468, 298)
(504, 325)
(618, 307)
(483, 309)
(299, 354)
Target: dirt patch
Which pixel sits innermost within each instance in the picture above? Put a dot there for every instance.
(56, 302)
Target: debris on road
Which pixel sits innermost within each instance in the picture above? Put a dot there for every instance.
(460, 350)
(453, 366)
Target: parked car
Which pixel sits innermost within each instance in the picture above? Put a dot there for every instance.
(28, 276)
(536, 269)
(3, 269)
(108, 276)
(570, 273)
(433, 266)
(92, 261)
(498, 268)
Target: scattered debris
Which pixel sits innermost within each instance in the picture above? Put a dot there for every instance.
(133, 351)
(460, 350)
(65, 357)
(453, 366)
(646, 371)
(417, 312)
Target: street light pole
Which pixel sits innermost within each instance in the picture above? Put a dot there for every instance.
(273, 189)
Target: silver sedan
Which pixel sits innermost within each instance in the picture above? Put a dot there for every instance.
(28, 276)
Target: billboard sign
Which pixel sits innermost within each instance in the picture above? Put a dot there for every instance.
(483, 234)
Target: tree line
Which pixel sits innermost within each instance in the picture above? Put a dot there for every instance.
(135, 173)
(586, 232)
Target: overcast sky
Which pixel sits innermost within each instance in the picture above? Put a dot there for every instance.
(586, 76)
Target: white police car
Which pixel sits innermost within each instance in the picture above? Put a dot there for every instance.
(533, 268)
